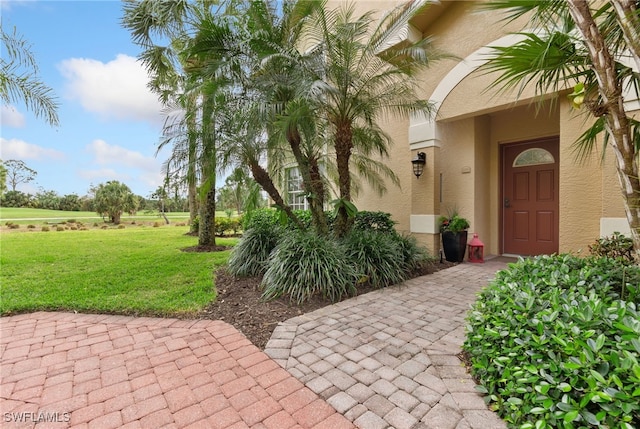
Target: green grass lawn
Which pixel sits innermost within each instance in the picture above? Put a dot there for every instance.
(26, 216)
(128, 271)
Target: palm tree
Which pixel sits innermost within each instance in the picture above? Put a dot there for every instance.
(19, 81)
(582, 45)
(228, 52)
(249, 146)
(173, 20)
(240, 192)
(180, 130)
(304, 104)
(362, 78)
(286, 78)
(326, 100)
(114, 198)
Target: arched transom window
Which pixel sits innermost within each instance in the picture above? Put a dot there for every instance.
(534, 156)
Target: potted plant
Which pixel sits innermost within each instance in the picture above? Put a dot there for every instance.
(453, 229)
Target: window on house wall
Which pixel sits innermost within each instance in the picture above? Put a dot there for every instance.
(295, 190)
(535, 156)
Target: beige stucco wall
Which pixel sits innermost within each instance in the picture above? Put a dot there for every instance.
(397, 200)
(464, 159)
(484, 197)
(580, 188)
(612, 202)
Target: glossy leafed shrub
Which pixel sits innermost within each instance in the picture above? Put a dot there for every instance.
(225, 226)
(554, 346)
(614, 246)
(260, 218)
(373, 221)
(362, 221)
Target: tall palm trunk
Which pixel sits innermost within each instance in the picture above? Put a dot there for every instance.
(192, 188)
(343, 147)
(316, 199)
(313, 184)
(206, 233)
(617, 122)
(193, 207)
(262, 177)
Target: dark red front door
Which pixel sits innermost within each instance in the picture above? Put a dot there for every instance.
(530, 197)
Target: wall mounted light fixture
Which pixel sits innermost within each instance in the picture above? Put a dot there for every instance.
(418, 163)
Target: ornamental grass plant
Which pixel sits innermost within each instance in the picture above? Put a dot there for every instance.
(413, 255)
(304, 264)
(377, 256)
(251, 255)
(301, 264)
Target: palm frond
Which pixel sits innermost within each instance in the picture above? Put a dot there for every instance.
(374, 172)
(19, 79)
(587, 143)
(17, 50)
(549, 62)
(540, 13)
(28, 89)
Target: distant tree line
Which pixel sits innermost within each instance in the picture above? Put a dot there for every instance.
(113, 198)
(45, 200)
(51, 200)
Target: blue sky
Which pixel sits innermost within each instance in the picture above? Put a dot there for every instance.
(110, 123)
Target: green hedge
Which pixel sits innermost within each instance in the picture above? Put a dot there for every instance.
(227, 226)
(363, 221)
(223, 226)
(554, 346)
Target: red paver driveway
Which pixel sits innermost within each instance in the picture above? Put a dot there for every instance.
(99, 371)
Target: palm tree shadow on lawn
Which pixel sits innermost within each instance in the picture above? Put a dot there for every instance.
(201, 248)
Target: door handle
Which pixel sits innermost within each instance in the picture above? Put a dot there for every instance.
(507, 203)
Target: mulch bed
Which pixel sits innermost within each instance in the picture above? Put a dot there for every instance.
(239, 304)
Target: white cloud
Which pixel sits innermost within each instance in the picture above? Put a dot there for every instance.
(10, 117)
(103, 173)
(6, 5)
(152, 180)
(144, 170)
(106, 154)
(117, 89)
(19, 149)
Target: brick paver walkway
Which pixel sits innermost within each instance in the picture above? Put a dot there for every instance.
(387, 359)
(97, 371)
